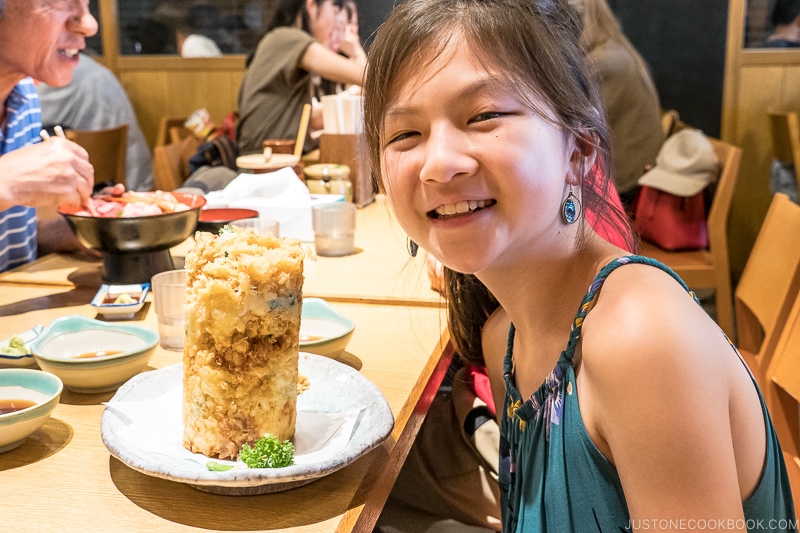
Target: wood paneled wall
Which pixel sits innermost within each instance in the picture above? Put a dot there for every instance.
(756, 80)
(174, 87)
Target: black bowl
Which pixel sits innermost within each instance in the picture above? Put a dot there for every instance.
(214, 219)
(135, 248)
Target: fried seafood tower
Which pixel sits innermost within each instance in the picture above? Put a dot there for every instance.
(244, 299)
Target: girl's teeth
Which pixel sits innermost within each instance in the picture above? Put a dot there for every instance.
(464, 206)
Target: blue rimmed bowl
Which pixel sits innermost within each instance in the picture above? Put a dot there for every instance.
(92, 356)
(323, 330)
(27, 399)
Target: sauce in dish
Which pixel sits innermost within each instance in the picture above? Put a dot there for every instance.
(316, 329)
(14, 398)
(12, 406)
(121, 299)
(90, 343)
(98, 353)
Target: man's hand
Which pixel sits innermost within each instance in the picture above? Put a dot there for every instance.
(50, 173)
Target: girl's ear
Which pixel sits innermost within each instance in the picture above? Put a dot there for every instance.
(582, 157)
(311, 9)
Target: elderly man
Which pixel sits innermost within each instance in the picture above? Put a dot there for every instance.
(39, 39)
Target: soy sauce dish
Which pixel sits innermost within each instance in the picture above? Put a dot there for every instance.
(93, 356)
(120, 301)
(323, 330)
(27, 399)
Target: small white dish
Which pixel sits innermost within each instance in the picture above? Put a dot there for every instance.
(323, 330)
(34, 395)
(104, 301)
(91, 355)
(21, 360)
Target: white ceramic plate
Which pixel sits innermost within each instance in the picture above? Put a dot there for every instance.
(334, 388)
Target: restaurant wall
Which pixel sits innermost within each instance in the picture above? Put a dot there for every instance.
(683, 42)
(174, 87)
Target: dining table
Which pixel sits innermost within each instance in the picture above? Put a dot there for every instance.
(64, 478)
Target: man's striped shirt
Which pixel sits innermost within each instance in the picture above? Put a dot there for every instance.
(22, 127)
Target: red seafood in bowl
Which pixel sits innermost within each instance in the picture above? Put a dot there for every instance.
(135, 245)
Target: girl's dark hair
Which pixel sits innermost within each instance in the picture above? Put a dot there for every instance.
(784, 12)
(285, 14)
(535, 46)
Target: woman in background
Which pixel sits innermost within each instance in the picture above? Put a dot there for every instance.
(278, 80)
(628, 95)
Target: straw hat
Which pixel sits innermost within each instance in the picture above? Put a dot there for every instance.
(685, 165)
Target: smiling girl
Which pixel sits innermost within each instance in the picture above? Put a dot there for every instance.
(622, 402)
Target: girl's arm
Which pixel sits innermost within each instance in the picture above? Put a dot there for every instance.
(332, 66)
(657, 381)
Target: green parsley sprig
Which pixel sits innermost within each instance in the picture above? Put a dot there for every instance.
(268, 452)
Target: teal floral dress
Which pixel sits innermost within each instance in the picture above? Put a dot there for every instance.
(552, 476)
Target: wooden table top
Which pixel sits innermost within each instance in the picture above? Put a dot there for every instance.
(64, 479)
(381, 271)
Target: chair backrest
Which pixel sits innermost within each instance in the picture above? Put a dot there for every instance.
(783, 391)
(785, 131)
(171, 162)
(770, 280)
(171, 129)
(107, 151)
(669, 118)
(730, 158)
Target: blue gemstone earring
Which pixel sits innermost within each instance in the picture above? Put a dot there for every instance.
(570, 208)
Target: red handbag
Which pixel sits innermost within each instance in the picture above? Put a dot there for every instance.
(671, 222)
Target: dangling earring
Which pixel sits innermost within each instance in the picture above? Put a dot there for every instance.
(412, 247)
(571, 208)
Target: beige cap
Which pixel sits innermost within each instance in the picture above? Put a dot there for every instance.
(685, 165)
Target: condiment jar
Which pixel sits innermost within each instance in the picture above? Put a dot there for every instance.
(328, 178)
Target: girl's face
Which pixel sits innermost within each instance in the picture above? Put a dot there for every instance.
(337, 34)
(474, 175)
(322, 19)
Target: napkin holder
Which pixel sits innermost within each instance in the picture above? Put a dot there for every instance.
(351, 150)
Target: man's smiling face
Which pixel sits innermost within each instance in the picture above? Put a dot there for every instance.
(41, 39)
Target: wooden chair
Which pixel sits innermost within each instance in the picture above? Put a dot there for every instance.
(669, 118)
(785, 131)
(783, 394)
(710, 268)
(769, 285)
(107, 151)
(171, 130)
(171, 162)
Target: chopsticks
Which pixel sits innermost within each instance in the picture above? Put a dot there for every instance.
(60, 133)
(301, 133)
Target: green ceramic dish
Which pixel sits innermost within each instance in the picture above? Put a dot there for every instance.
(323, 330)
(41, 389)
(93, 356)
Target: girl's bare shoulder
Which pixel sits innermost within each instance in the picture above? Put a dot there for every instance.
(644, 320)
